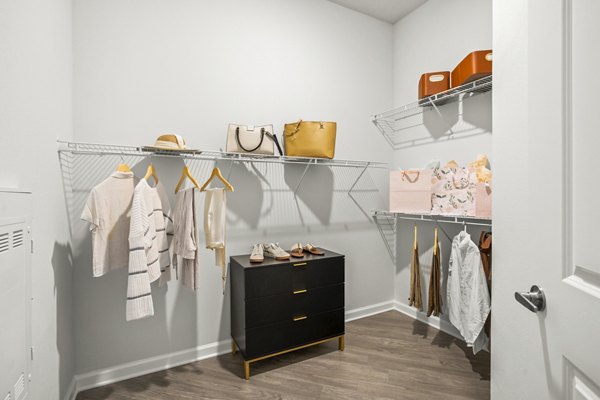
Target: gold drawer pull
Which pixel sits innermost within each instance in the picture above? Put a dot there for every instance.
(300, 318)
(299, 264)
(300, 291)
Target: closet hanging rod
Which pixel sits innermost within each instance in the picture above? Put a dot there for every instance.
(447, 219)
(211, 155)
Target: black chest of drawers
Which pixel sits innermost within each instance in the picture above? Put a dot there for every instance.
(281, 306)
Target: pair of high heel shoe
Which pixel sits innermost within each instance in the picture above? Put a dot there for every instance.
(272, 250)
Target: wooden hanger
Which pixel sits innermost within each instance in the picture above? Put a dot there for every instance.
(435, 242)
(123, 168)
(151, 172)
(186, 173)
(216, 172)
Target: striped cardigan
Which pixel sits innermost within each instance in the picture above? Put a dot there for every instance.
(149, 257)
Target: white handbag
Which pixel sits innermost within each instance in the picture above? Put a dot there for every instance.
(254, 139)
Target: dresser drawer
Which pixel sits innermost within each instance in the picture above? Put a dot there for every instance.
(283, 307)
(317, 273)
(285, 335)
(268, 281)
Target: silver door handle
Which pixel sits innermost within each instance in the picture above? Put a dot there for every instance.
(534, 300)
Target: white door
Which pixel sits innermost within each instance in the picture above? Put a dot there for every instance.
(546, 209)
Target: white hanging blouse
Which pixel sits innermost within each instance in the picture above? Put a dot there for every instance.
(468, 297)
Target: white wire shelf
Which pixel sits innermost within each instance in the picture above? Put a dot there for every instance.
(387, 224)
(141, 151)
(69, 152)
(447, 219)
(389, 122)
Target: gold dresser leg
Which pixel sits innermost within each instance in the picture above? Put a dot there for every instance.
(233, 348)
(246, 370)
(341, 343)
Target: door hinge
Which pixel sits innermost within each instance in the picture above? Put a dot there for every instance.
(31, 352)
(31, 246)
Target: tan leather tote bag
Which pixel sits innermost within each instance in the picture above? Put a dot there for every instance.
(310, 139)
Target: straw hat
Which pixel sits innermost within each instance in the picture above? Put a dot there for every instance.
(169, 141)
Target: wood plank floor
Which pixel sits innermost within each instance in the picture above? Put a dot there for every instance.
(387, 356)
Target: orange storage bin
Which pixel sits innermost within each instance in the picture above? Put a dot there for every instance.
(474, 66)
(432, 83)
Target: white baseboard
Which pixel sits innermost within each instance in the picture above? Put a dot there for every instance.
(435, 322)
(145, 366)
(367, 311)
(71, 392)
(149, 365)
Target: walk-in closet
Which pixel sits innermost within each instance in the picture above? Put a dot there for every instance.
(298, 199)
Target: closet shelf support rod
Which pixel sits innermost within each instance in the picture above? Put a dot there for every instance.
(442, 221)
(441, 116)
(301, 178)
(358, 178)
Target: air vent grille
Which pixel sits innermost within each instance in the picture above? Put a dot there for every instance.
(18, 238)
(19, 387)
(3, 242)
(7, 397)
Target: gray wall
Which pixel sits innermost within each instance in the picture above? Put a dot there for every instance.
(191, 67)
(35, 108)
(420, 47)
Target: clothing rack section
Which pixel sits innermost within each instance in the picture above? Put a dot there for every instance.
(390, 124)
(386, 222)
(79, 148)
(446, 219)
(85, 163)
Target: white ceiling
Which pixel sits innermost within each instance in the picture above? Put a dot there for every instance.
(386, 10)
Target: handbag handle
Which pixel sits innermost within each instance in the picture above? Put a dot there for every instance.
(298, 127)
(237, 137)
(405, 175)
(274, 139)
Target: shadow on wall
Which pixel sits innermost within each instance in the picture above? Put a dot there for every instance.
(469, 117)
(439, 124)
(62, 265)
(314, 186)
(477, 111)
(246, 179)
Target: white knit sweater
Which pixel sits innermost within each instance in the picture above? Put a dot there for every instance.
(149, 255)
